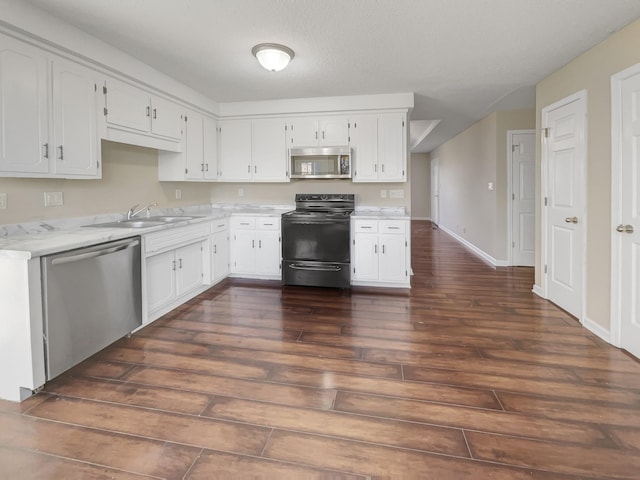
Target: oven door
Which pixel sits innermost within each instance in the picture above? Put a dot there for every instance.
(316, 239)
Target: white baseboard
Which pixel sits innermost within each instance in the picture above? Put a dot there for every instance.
(481, 253)
(421, 218)
(596, 329)
(537, 289)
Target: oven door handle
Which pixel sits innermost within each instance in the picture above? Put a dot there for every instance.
(315, 222)
(316, 268)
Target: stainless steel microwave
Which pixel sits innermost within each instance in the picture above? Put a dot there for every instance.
(320, 162)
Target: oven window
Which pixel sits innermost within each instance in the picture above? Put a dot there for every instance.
(322, 242)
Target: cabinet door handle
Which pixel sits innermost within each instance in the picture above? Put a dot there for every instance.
(316, 134)
(375, 249)
(206, 167)
(173, 267)
(202, 167)
(323, 134)
(383, 168)
(148, 111)
(383, 249)
(248, 168)
(61, 150)
(155, 114)
(46, 150)
(253, 244)
(255, 169)
(259, 243)
(180, 263)
(215, 249)
(375, 168)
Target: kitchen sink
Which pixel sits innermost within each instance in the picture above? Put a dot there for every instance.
(154, 221)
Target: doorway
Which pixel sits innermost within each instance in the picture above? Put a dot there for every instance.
(564, 201)
(625, 210)
(522, 184)
(435, 191)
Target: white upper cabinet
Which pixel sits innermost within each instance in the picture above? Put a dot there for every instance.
(210, 148)
(253, 150)
(32, 84)
(137, 117)
(379, 147)
(198, 160)
(24, 126)
(268, 151)
(76, 145)
(166, 118)
(317, 131)
(235, 150)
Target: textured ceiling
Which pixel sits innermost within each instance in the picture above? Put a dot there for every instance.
(462, 58)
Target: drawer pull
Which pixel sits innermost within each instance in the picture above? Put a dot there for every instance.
(365, 226)
(393, 228)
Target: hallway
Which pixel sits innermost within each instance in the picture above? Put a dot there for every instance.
(467, 376)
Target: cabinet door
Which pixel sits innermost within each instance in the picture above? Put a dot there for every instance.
(235, 150)
(161, 280)
(166, 118)
(189, 268)
(302, 132)
(75, 115)
(268, 151)
(392, 158)
(334, 132)
(128, 106)
(365, 262)
(220, 255)
(393, 265)
(363, 140)
(194, 146)
(243, 251)
(268, 253)
(24, 142)
(210, 134)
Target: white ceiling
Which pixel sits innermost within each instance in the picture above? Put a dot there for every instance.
(463, 58)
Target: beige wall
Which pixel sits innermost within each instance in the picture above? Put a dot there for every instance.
(284, 193)
(129, 176)
(420, 185)
(468, 162)
(592, 72)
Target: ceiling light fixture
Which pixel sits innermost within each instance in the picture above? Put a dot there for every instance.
(272, 56)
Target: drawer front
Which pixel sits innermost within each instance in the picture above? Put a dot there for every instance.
(365, 226)
(268, 223)
(393, 226)
(171, 237)
(243, 223)
(220, 225)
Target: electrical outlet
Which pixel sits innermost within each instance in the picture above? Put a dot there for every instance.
(53, 199)
(3, 201)
(241, 192)
(396, 193)
(383, 194)
(490, 186)
(178, 194)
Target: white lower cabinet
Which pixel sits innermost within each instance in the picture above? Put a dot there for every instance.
(177, 267)
(381, 252)
(255, 247)
(219, 250)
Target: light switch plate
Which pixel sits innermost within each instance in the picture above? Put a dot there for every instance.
(178, 194)
(396, 193)
(53, 199)
(3, 201)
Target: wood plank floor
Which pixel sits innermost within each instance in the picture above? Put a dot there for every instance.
(467, 376)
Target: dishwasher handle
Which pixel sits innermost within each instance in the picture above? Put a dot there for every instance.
(111, 248)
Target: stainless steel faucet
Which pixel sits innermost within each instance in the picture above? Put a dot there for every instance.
(132, 213)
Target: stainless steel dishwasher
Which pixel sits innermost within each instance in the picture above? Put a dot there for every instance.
(91, 298)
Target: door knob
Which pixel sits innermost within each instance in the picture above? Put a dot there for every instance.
(571, 219)
(624, 228)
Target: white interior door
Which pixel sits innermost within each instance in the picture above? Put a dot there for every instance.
(625, 283)
(564, 153)
(523, 185)
(435, 190)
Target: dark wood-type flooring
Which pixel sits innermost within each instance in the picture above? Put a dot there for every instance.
(467, 376)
